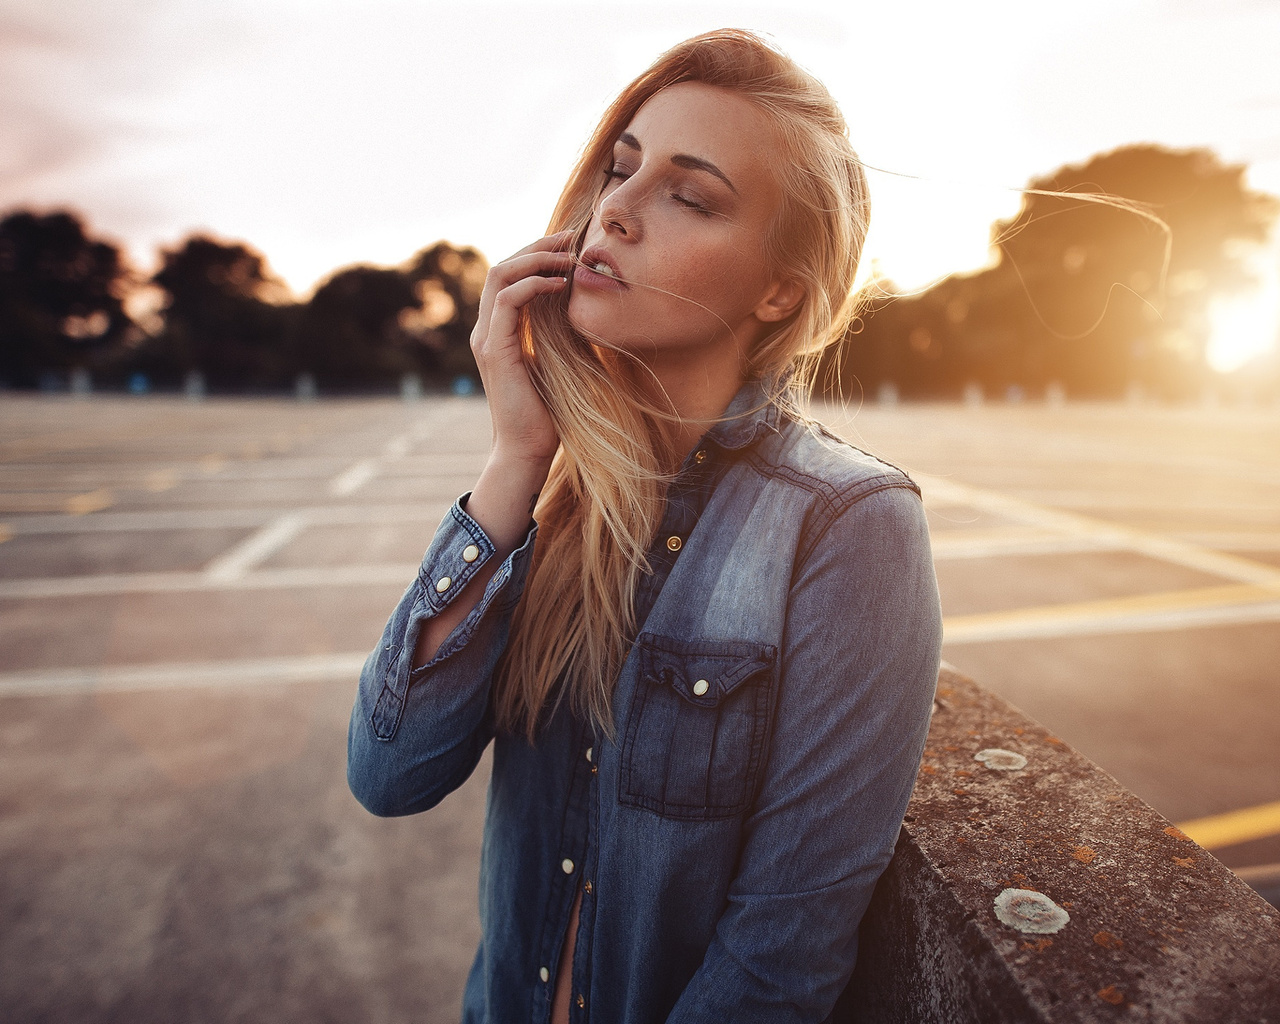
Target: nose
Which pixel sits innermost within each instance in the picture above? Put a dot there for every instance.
(618, 214)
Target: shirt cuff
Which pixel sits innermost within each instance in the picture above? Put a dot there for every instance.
(458, 551)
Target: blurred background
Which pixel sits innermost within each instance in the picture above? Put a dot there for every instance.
(241, 249)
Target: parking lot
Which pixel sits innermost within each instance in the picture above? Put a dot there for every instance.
(188, 589)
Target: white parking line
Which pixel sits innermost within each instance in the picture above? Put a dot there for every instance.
(232, 565)
(357, 475)
(1168, 549)
(225, 519)
(997, 543)
(1153, 613)
(353, 478)
(116, 584)
(184, 676)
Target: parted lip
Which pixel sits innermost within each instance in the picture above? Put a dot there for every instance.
(590, 257)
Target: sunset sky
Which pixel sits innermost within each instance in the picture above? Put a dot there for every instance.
(327, 132)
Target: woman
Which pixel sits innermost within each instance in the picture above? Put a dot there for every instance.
(708, 667)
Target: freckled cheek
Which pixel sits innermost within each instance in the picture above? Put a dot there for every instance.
(712, 277)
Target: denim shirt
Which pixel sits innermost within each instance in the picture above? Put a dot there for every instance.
(769, 723)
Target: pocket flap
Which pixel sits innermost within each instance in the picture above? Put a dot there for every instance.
(703, 672)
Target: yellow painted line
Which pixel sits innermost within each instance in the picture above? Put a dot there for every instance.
(1240, 826)
(93, 501)
(161, 480)
(1064, 619)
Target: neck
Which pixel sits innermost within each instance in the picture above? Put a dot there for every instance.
(698, 391)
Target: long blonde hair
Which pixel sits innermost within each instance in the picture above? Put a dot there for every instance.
(603, 500)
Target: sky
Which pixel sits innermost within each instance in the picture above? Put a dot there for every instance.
(329, 132)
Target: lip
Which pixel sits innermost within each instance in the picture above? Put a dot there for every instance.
(584, 275)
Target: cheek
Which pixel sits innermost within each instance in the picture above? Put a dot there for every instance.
(723, 274)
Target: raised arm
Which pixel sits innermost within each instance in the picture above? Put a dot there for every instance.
(417, 728)
(524, 437)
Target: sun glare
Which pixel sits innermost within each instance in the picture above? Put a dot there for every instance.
(1244, 326)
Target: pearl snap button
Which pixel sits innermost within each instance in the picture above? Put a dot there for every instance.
(566, 866)
(443, 584)
(470, 553)
(589, 749)
(674, 543)
(544, 974)
(700, 687)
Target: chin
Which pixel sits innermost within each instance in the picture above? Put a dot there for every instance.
(590, 323)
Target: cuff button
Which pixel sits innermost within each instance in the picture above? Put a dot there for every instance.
(470, 553)
(443, 584)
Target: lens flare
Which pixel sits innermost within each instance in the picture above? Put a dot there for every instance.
(1244, 326)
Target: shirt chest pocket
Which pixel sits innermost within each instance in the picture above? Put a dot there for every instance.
(697, 730)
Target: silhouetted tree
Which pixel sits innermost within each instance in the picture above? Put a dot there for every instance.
(349, 334)
(367, 326)
(226, 315)
(448, 281)
(1080, 294)
(60, 296)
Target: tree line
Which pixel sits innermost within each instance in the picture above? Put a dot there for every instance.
(214, 312)
(1089, 299)
(1085, 299)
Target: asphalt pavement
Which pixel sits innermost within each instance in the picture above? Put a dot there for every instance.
(187, 590)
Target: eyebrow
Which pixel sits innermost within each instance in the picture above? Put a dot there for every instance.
(692, 163)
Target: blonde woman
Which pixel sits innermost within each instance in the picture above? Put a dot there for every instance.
(701, 633)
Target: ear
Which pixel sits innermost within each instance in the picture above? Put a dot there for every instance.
(781, 300)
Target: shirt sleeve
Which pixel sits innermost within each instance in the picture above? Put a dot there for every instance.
(416, 734)
(859, 669)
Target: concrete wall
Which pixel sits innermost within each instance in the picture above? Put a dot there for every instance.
(1044, 891)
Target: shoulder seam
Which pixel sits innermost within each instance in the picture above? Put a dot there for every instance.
(833, 511)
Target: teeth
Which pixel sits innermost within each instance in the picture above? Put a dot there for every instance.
(603, 268)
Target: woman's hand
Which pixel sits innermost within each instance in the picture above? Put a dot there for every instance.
(524, 435)
(523, 431)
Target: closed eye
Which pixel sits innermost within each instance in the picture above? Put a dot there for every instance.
(615, 173)
(691, 204)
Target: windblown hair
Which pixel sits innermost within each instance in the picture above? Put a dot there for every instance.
(603, 500)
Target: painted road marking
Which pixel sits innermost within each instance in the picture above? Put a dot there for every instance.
(1242, 826)
(117, 584)
(357, 475)
(1178, 609)
(229, 519)
(92, 501)
(998, 543)
(232, 565)
(1232, 567)
(184, 676)
(353, 478)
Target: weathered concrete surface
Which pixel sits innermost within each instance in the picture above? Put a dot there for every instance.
(1158, 929)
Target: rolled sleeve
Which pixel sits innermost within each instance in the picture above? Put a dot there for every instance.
(417, 733)
(859, 668)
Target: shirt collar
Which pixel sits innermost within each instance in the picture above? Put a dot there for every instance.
(750, 415)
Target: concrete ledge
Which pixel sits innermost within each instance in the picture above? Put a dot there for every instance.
(1048, 892)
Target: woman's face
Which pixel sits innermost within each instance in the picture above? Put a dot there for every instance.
(678, 236)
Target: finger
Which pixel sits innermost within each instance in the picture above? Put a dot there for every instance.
(508, 302)
(504, 274)
(555, 240)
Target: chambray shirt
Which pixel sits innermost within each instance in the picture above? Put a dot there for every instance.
(769, 722)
